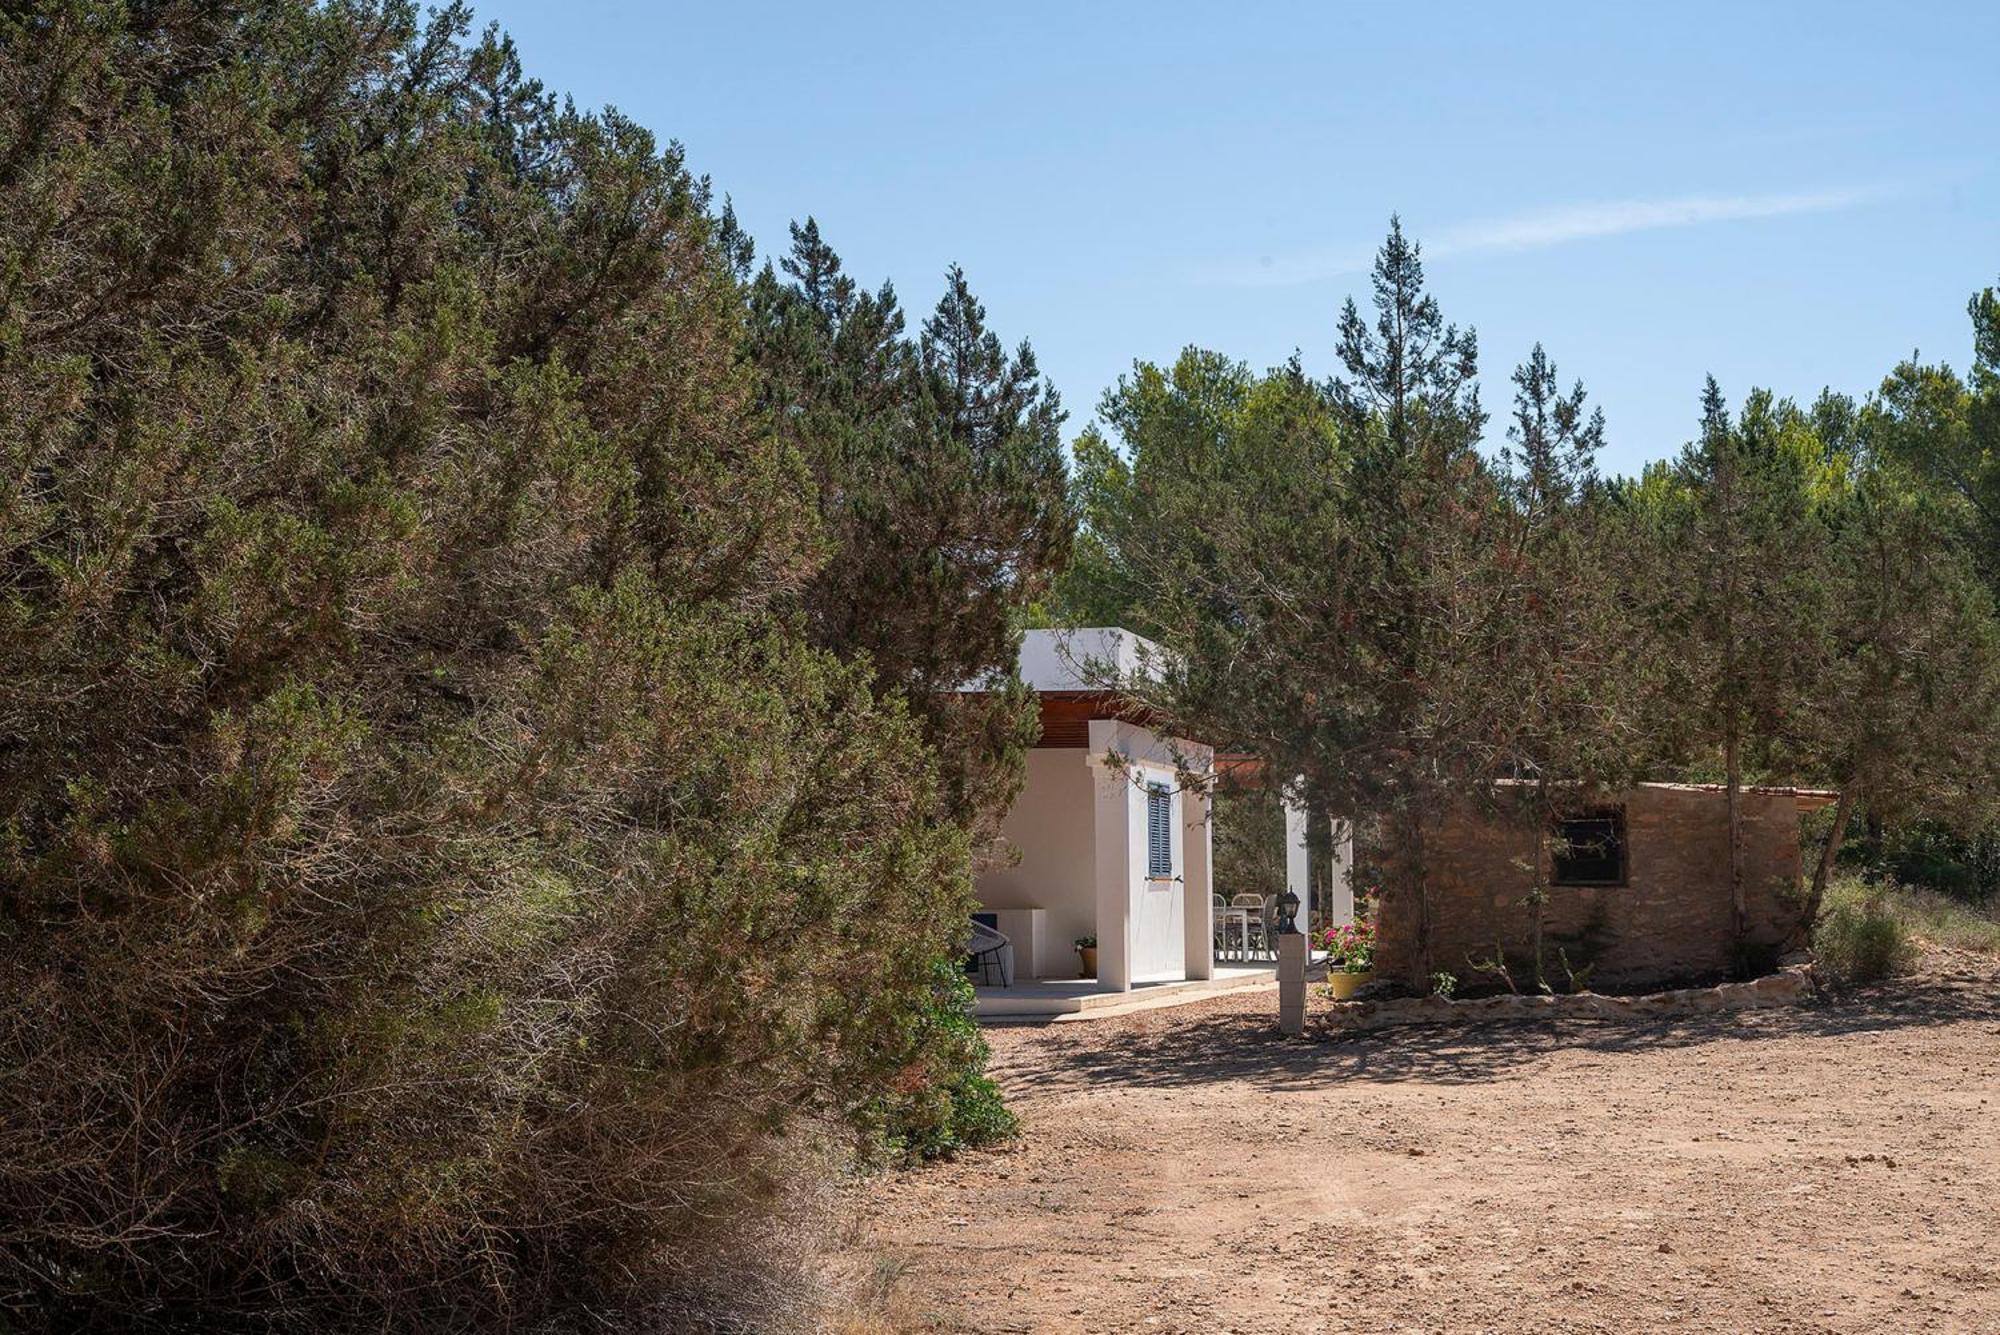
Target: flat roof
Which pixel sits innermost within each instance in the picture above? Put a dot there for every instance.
(1079, 660)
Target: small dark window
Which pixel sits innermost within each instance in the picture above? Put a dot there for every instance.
(1159, 832)
(1589, 849)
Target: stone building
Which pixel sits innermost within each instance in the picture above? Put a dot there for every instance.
(1638, 886)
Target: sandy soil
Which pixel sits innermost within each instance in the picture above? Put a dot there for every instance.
(1834, 1168)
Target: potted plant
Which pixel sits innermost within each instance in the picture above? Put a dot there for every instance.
(1350, 958)
(1086, 949)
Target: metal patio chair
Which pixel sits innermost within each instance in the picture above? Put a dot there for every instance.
(991, 950)
(1256, 923)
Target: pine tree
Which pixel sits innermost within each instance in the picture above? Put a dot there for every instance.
(1551, 455)
(1564, 633)
(1321, 558)
(1908, 719)
(1945, 429)
(1425, 505)
(943, 494)
(1414, 378)
(1747, 642)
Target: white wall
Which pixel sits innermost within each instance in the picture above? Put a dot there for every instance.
(1144, 921)
(1342, 906)
(1053, 824)
(1079, 827)
(1298, 861)
(1087, 658)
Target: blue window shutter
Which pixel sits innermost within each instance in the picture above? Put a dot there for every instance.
(1159, 832)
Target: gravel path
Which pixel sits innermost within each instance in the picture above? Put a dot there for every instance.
(1834, 1168)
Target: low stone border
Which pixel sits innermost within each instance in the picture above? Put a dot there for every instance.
(1787, 987)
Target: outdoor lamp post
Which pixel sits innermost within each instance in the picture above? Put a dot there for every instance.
(1288, 914)
(1291, 945)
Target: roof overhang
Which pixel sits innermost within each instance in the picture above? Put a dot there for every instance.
(1808, 799)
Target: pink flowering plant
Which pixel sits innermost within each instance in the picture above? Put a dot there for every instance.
(1350, 948)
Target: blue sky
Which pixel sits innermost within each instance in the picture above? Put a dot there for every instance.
(1789, 195)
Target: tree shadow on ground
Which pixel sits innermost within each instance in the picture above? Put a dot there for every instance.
(1243, 1045)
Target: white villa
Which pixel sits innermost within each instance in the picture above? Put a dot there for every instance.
(1112, 839)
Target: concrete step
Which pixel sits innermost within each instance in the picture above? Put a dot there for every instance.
(1040, 1000)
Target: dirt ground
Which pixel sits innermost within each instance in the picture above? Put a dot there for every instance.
(1832, 1168)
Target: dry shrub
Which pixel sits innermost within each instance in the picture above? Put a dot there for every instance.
(437, 882)
(1859, 937)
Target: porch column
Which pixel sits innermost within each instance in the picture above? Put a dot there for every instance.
(1298, 858)
(1197, 884)
(1342, 880)
(1115, 853)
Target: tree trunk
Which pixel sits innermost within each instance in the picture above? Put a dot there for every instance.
(1416, 888)
(1544, 867)
(1733, 765)
(1823, 873)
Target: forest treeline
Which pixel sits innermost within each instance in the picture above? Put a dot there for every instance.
(1361, 588)
(487, 815)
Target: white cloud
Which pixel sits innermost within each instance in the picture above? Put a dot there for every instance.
(1557, 226)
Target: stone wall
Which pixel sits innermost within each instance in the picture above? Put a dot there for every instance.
(1789, 986)
(1670, 922)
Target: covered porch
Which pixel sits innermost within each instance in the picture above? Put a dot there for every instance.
(1110, 842)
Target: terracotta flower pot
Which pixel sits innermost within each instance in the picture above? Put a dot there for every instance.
(1089, 954)
(1345, 984)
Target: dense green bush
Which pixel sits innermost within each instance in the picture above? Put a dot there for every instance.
(946, 1102)
(1859, 937)
(1930, 856)
(436, 873)
(1248, 829)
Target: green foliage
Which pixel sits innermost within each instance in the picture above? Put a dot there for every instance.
(941, 488)
(1738, 599)
(1946, 428)
(1860, 938)
(440, 881)
(1349, 947)
(948, 1103)
(1576, 977)
(1496, 965)
(1930, 855)
(1366, 601)
(1356, 595)
(1902, 688)
(1247, 826)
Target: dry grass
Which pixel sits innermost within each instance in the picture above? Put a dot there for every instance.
(1869, 932)
(1937, 920)
(866, 1292)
